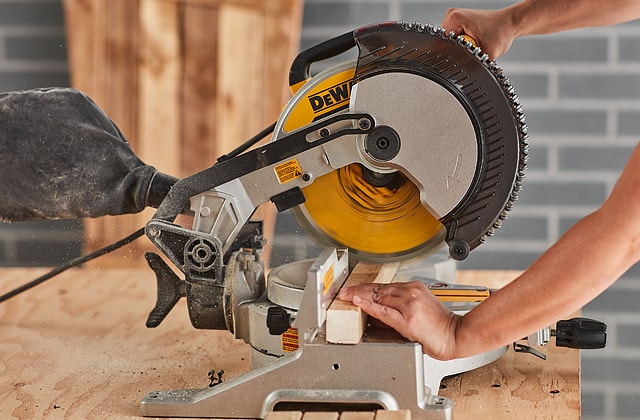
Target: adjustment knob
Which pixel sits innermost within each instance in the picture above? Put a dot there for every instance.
(581, 333)
(278, 320)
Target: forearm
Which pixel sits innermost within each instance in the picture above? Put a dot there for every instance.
(581, 265)
(560, 282)
(534, 17)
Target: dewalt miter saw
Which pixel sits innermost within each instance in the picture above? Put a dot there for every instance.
(420, 141)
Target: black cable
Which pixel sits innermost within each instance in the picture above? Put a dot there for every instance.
(73, 263)
(247, 144)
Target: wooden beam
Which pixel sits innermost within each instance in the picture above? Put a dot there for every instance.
(346, 322)
(283, 415)
(393, 415)
(345, 415)
(357, 415)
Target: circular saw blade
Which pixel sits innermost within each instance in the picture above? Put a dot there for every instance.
(379, 217)
(383, 217)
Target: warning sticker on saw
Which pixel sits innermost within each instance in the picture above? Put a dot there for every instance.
(290, 340)
(288, 171)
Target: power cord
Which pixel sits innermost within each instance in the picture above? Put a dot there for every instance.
(74, 263)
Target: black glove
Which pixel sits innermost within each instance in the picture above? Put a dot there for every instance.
(62, 157)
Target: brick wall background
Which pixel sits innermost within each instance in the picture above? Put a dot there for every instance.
(581, 94)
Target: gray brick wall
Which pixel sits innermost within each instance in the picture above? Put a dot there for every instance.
(581, 94)
(33, 54)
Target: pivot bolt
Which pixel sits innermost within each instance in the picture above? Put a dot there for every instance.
(364, 124)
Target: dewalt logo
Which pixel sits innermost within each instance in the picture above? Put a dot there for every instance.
(330, 98)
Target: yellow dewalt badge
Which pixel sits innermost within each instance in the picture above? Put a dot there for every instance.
(288, 171)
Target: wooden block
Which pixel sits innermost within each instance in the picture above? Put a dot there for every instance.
(283, 415)
(320, 415)
(393, 415)
(357, 415)
(346, 322)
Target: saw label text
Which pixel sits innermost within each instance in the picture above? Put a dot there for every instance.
(288, 171)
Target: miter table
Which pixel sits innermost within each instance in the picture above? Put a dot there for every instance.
(77, 347)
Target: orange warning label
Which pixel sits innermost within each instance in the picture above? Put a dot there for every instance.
(327, 280)
(290, 340)
(288, 171)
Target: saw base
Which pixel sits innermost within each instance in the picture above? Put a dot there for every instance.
(384, 371)
(384, 375)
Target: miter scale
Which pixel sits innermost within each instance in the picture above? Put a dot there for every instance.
(420, 142)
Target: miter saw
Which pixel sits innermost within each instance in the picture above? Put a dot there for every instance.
(420, 141)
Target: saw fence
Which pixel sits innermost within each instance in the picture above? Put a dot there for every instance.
(185, 80)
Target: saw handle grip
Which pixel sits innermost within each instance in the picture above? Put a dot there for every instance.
(581, 333)
(299, 72)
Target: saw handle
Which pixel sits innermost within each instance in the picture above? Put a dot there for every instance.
(581, 333)
(299, 72)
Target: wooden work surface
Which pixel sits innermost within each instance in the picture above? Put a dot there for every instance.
(77, 347)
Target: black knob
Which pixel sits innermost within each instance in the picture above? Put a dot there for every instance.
(581, 333)
(278, 320)
(383, 143)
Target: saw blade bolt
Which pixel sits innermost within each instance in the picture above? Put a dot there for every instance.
(383, 143)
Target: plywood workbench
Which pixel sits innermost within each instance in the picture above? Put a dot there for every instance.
(77, 347)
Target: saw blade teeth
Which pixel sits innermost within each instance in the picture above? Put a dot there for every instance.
(518, 115)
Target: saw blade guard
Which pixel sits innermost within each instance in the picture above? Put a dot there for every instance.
(445, 161)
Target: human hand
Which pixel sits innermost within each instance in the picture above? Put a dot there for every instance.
(412, 310)
(492, 30)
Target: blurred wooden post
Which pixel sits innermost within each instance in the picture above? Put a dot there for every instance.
(185, 80)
